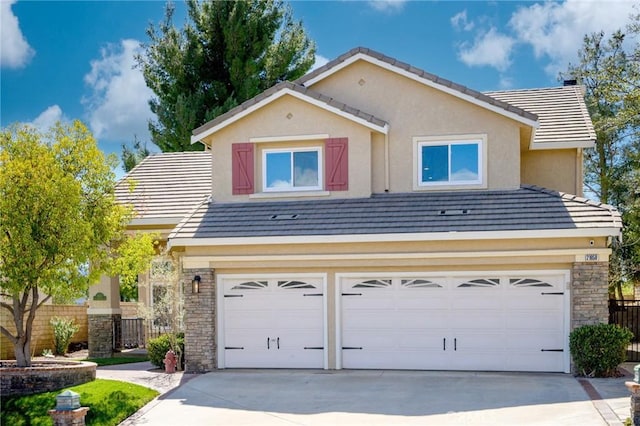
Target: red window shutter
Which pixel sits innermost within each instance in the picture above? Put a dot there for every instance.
(242, 168)
(336, 163)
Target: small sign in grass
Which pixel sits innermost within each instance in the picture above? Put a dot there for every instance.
(109, 402)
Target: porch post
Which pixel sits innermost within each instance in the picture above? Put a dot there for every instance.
(104, 316)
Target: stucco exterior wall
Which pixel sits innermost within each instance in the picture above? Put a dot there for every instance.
(413, 109)
(555, 169)
(288, 117)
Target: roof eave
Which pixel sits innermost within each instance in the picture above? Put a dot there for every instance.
(382, 127)
(610, 231)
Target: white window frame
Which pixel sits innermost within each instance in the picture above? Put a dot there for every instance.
(449, 140)
(316, 149)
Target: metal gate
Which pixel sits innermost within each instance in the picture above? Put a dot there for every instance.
(626, 313)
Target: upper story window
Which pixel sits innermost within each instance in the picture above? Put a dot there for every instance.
(302, 169)
(292, 169)
(450, 161)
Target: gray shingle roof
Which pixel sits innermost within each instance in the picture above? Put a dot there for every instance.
(356, 113)
(561, 111)
(167, 185)
(512, 108)
(527, 208)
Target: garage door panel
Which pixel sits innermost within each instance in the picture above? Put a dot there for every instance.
(269, 322)
(409, 360)
(420, 300)
(248, 319)
(477, 320)
(534, 319)
(483, 321)
(371, 302)
(548, 340)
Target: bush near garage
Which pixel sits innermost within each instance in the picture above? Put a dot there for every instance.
(598, 349)
(157, 349)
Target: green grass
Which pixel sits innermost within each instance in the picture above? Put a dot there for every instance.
(125, 359)
(109, 402)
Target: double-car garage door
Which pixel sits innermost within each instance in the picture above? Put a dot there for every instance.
(457, 321)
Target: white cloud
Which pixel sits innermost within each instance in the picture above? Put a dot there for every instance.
(505, 82)
(387, 5)
(460, 22)
(320, 61)
(555, 30)
(118, 106)
(48, 118)
(15, 51)
(490, 48)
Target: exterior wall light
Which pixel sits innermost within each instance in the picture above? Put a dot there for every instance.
(195, 284)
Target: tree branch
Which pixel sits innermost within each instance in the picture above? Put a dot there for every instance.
(7, 307)
(10, 336)
(43, 301)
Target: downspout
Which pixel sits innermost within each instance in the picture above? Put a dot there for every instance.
(386, 160)
(579, 165)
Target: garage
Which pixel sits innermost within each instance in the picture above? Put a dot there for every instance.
(492, 321)
(272, 322)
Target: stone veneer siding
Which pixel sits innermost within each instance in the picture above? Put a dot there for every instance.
(101, 335)
(589, 293)
(43, 376)
(200, 322)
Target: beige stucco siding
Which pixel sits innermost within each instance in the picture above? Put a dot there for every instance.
(289, 117)
(413, 109)
(555, 169)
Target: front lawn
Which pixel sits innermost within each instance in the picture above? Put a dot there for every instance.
(123, 359)
(109, 402)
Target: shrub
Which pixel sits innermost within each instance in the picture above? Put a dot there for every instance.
(598, 349)
(63, 331)
(157, 348)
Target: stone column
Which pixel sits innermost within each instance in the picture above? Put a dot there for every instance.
(589, 293)
(104, 315)
(199, 322)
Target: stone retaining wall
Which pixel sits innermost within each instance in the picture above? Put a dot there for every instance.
(42, 377)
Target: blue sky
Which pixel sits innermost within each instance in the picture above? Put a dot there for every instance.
(74, 60)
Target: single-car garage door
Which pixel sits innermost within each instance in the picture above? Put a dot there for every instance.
(508, 321)
(272, 322)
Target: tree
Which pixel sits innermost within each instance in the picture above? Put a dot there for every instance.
(58, 215)
(132, 156)
(610, 71)
(227, 52)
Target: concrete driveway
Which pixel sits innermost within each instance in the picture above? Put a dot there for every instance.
(287, 397)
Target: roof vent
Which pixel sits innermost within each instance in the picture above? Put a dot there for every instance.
(452, 212)
(570, 82)
(284, 217)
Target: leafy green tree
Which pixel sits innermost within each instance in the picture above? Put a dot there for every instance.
(226, 53)
(58, 215)
(131, 156)
(610, 71)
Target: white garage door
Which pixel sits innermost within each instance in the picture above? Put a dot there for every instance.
(272, 323)
(482, 321)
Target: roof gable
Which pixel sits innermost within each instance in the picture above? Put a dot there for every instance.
(421, 76)
(287, 88)
(562, 113)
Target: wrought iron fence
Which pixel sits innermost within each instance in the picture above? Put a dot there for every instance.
(626, 313)
(131, 333)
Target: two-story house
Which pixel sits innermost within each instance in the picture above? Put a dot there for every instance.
(373, 215)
